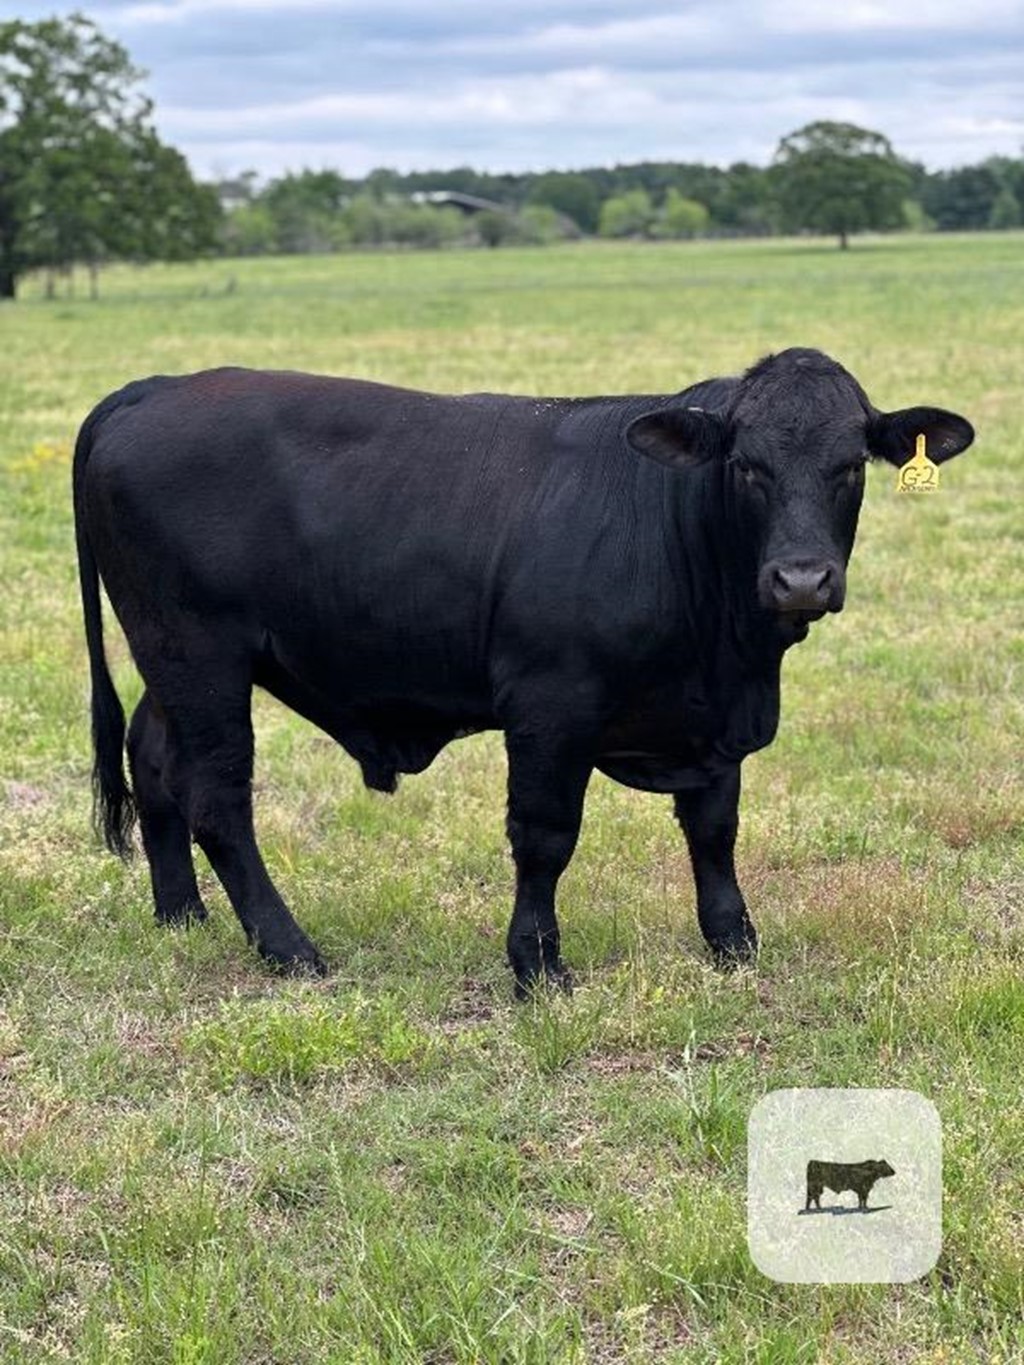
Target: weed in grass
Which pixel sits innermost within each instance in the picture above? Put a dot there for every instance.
(298, 1036)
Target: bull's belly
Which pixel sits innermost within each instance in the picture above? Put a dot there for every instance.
(391, 717)
(394, 711)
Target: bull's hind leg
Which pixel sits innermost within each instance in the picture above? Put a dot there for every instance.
(709, 817)
(209, 774)
(165, 832)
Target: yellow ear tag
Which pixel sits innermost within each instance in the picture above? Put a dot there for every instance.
(919, 474)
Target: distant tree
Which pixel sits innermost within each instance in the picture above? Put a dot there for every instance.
(364, 219)
(570, 193)
(249, 230)
(83, 175)
(422, 225)
(914, 217)
(1005, 211)
(747, 203)
(627, 215)
(383, 182)
(306, 208)
(494, 227)
(962, 199)
(540, 224)
(1009, 172)
(838, 178)
(157, 210)
(692, 180)
(680, 217)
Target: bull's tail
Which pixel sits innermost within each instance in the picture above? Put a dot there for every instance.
(113, 803)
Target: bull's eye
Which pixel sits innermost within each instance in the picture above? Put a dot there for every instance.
(854, 473)
(744, 470)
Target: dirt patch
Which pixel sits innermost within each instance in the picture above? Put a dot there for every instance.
(22, 1125)
(24, 796)
(742, 1045)
(649, 1063)
(136, 1033)
(995, 907)
(623, 1063)
(647, 1331)
(473, 1005)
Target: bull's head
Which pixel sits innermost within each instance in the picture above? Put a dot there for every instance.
(793, 442)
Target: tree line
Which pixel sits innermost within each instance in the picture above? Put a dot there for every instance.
(85, 179)
(827, 177)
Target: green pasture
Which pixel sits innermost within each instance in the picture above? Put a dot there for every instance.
(203, 1164)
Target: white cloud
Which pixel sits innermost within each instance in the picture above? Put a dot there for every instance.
(517, 84)
(182, 11)
(532, 101)
(885, 16)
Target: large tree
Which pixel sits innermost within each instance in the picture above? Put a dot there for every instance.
(83, 176)
(838, 178)
(570, 193)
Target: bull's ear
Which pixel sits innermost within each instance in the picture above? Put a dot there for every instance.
(680, 437)
(893, 436)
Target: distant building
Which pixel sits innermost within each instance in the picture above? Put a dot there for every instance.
(467, 203)
(235, 193)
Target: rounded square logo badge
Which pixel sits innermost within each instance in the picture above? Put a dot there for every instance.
(844, 1186)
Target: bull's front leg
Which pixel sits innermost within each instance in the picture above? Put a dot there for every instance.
(709, 817)
(548, 774)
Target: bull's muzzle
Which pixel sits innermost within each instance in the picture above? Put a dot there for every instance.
(802, 586)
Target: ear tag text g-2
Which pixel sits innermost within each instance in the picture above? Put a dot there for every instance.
(919, 474)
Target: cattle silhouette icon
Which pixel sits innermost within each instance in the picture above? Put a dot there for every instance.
(840, 1176)
(807, 1149)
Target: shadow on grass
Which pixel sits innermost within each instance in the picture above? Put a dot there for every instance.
(840, 1209)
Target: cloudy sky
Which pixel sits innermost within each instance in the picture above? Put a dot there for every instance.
(531, 84)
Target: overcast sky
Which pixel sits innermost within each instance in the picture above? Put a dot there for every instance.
(533, 84)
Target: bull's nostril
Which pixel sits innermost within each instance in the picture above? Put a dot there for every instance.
(801, 586)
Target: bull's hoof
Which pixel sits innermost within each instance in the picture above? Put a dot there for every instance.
(296, 966)
(296, 959)
(183, 916)
(734, 950)
(556, 978)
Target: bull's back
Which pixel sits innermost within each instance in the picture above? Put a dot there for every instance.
(319, 512)
(839, 1175)
(311, 452)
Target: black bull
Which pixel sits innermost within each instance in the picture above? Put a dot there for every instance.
(612, 582)
(839, 1176)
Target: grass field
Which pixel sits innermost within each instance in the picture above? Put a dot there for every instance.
(201, 1164)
